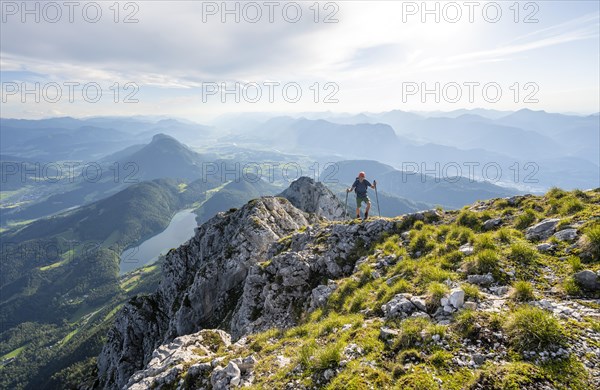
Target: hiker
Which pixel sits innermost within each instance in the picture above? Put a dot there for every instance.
(360, 187)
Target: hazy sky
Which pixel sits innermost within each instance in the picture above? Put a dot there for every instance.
(349, 56)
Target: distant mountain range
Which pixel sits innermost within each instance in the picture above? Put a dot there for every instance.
(534, 149)
(59, 139)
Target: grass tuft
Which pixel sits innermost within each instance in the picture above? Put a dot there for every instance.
(522, 253)
(530, 327)
(523, 291)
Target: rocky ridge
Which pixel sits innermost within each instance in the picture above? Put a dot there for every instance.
(417, 298)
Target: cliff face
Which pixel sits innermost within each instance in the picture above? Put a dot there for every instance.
(202, 283)
(301, 277)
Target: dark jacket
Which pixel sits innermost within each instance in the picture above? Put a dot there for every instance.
(361, 188)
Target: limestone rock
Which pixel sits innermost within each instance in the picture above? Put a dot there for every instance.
(225, 378)
(492, 223)
(466, 249)
(588, 280)
(566, 235)
(542, 230)
(314, 197)
(545, 247)
(398, 307)
(456, 298)
(482, 280)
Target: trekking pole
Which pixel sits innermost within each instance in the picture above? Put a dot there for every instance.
(346, 206)
(377, 198)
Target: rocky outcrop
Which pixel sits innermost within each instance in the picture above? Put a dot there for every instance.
(314, 197)
(168, 361)
(295, 281)
(201, 285)
(193, 361)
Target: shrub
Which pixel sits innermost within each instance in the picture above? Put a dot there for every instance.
(522, 253)
(530, 327)
(526, 219)
(487, 261)
(523, 291)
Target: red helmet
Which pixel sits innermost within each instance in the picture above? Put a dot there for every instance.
(361, 174)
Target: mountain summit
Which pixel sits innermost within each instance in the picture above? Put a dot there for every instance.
(164, 156)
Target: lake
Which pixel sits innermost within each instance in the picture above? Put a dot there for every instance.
(180, 229)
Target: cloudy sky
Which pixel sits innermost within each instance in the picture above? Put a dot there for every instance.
(194, 59)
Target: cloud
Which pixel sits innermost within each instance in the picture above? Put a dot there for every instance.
(170, 39)
(170, 52)
(551, 36)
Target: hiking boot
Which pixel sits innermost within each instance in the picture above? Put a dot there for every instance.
(366, 215)
(357, 216)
